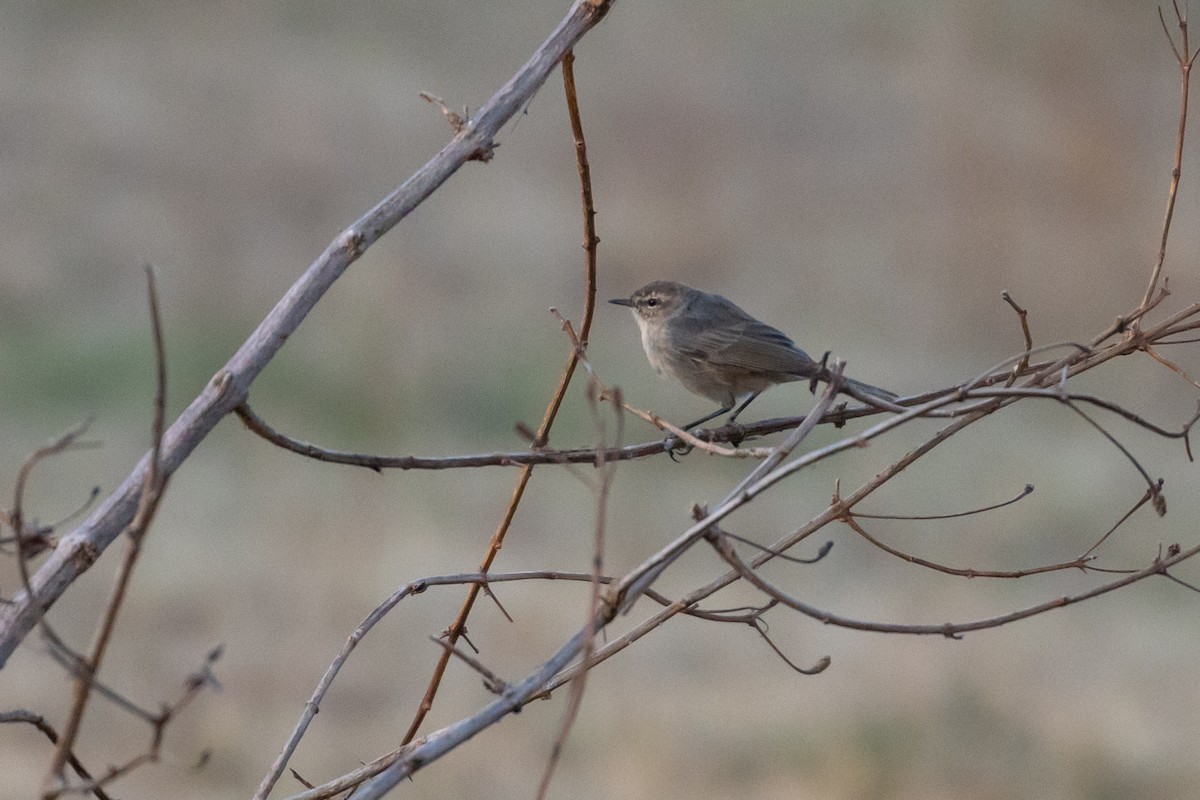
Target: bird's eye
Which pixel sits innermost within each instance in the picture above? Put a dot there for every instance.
(652, 302)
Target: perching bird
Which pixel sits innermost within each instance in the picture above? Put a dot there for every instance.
(718, 351)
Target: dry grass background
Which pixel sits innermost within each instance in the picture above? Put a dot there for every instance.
(866, 176)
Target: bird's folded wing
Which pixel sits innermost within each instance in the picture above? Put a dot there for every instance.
(751, 345)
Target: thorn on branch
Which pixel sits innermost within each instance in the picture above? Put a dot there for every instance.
(486, 588)
(460, 123)
(491, 682)
(300, 779)
(1023, 316)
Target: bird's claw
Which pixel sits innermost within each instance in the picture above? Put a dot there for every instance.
(737, 434)
(674, 445)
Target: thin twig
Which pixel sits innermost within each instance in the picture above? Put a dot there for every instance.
(443, 741)
(541, 438)
(378, 613)
(1144, 499)
(975, 389)
(760, 626)
(491, 681)
(953, 630)
(1171, 365)
(632, 586)
(1028, 490)
(1185, 58)
(39, 722)
(1023, 316)
(231, 384)
(155, 484)
(1155, 487)
(1080, 563)
(16, 515)
(595, 600)
(605, 471)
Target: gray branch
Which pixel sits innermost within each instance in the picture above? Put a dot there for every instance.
(79, 549)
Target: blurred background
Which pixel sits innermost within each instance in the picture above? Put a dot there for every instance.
(868, 177)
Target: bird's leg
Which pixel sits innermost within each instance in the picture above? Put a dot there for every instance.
(715, 414)
(686, 448)
(736, 432)
(733, 417)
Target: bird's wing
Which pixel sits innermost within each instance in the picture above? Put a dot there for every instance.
(750, 345)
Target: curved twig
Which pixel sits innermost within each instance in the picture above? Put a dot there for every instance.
(230, 386)
(952, 630)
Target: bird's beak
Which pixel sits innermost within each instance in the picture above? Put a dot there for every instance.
(622, 301)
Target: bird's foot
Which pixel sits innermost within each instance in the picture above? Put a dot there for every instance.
(737, 434)
(673, 445)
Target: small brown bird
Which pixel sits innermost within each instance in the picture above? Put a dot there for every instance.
(718, 351)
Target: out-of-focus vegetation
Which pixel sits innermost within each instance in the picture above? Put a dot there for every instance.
(866, 176)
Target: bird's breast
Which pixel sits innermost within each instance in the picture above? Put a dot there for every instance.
(654, 344)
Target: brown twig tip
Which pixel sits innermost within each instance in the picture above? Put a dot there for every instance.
(760, 625)
(300, 779)
(494, 684)
(716, 531)
(1022, 315)
(1028, 490)
(460, 123)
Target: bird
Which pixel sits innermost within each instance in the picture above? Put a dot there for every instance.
(720, 352)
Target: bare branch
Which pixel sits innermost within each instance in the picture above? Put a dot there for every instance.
(151, 494)
(39, 722)
(1080, 563)
(1028, 490)
(1145, 498)
(1185, 59)
(491, 681)
(599, 8)
(1023, 316)
(953, 630)
(815, 669)
(231, 385)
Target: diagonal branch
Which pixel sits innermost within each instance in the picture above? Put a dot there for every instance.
(231, 385)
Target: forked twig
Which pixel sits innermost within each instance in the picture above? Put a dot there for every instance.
(155, 484)
(1185, 57)
(231, 384)
(39, 722)
(952, 630)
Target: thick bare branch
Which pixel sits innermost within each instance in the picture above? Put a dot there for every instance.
(231, 385)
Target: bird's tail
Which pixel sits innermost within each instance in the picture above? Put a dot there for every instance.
(856, 388)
